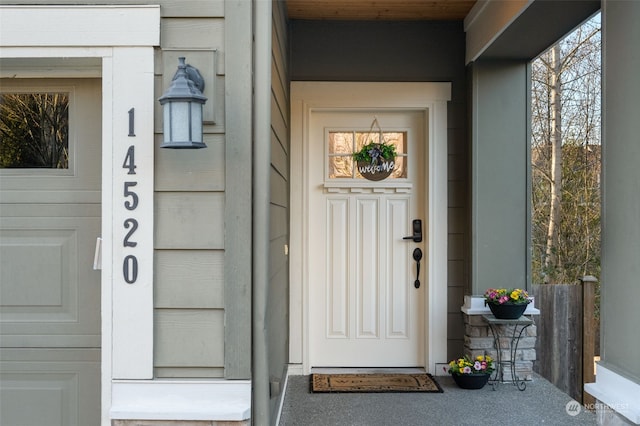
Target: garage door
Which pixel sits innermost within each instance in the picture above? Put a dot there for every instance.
(49, 221)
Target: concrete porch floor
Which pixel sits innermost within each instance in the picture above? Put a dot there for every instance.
(539, 403)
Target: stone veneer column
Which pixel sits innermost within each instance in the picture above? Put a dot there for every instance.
(478, 339)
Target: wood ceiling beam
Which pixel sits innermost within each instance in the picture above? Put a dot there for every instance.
(392, 10)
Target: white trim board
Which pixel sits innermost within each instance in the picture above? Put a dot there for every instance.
(617, 392)
(474, 305)
(417, 96)
(23, 26)
(221, 400)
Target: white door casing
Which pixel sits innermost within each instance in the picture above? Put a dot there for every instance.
(366, 311)
(429, 99)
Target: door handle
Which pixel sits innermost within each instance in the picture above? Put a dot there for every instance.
(417, 256)
(97, 256)
(417, 232)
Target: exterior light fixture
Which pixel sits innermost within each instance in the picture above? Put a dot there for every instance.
(182, 104)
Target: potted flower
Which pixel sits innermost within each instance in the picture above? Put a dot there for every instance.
(376, 160)
(471, 373)
(506, 303)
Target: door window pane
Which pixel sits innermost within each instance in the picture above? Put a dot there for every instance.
(342, 144)
(340, 149)
(34, 130)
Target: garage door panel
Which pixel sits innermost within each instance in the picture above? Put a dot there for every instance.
(50, 197)
(49, 286)
(53, 381)
(37, 284)
(71, 211)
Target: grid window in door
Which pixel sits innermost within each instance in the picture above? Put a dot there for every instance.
(342, 145)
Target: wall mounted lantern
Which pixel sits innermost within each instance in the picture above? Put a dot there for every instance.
(182, 104)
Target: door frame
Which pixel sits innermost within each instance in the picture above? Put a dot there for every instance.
(428, 97)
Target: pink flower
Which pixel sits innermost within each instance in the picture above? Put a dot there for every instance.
(466, 370)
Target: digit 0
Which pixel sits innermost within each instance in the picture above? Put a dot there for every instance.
(130, 269)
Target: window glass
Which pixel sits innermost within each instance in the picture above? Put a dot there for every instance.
(34, 130)
(342, 144)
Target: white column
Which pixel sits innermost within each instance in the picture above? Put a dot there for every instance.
(131, 199)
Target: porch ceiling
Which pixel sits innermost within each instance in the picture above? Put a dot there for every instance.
(374, 10)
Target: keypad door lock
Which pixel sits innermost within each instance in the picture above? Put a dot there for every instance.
(417, 232)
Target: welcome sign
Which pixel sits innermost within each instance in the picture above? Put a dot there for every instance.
(377, 170)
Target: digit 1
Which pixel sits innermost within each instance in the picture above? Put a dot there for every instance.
(131, 121)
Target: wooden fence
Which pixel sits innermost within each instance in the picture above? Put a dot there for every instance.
(567, 331)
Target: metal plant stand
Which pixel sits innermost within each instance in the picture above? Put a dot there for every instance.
(519, 325)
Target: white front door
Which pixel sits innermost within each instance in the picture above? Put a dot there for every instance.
(367, 309)
(50, 195)
(353, 300)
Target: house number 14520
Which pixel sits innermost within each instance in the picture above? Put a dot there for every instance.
(130, 262)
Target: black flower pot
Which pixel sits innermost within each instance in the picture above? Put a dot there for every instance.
(471, 381)
(507, 310)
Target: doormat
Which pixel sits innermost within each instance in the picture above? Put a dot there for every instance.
(383, 382)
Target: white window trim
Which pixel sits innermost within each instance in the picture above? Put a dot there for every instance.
(123, 37)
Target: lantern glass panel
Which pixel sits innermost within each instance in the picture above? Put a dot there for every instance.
(166, 121)
(179, 121)
(196, 122)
